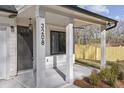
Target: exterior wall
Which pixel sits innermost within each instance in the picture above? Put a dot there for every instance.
(23, 21)
(61, 58)
(12, 44)
(6, 21)
(3, 53)
(11, 52)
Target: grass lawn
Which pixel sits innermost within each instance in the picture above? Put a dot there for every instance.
(91, 63)
(96, 63)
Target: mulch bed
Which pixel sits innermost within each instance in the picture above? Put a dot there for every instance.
(120, 84)
(85, 84)
(82, 84)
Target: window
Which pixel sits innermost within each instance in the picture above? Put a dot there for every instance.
(58, 42)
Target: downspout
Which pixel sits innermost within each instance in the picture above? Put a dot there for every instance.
(111, 27)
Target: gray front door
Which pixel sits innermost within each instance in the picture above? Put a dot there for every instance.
(24, 48)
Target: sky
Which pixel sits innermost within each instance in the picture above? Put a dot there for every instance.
(112, 11)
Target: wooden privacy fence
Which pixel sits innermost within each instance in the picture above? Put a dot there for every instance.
(94, 53)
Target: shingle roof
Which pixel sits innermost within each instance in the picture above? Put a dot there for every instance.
(8, 8)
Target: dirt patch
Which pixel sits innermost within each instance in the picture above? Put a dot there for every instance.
(85, 84)
(119, 84)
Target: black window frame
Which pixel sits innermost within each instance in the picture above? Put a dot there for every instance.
(51, 41)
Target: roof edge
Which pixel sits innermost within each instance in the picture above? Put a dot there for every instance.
(8, 10)
(78, 9)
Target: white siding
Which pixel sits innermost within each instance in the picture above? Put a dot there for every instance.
(3, 52)
(11, 46)
(6, 21)
(10, 63)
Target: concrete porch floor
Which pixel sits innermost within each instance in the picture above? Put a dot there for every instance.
(54, 80)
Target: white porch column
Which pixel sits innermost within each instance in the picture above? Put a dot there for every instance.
(69, 52)
(103, 47)
(40, 47)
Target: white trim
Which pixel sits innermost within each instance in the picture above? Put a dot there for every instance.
(69, 52)
(24, 8)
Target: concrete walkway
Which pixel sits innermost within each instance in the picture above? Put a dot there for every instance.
(54, 80)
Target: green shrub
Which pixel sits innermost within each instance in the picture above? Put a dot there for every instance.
(120, 72)
(121, 75)
(109, 75)
(94, 78)
(104, 74)
(112, 77)
(116, 68)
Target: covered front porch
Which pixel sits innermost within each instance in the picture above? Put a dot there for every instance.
(25, 79)
(53, 59)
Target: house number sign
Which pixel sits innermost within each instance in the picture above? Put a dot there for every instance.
(42, 34)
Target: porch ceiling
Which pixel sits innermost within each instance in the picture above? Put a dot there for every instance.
(61, 20)
(52, 18)
(74, 14)
(29, 11)
(26, 12)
